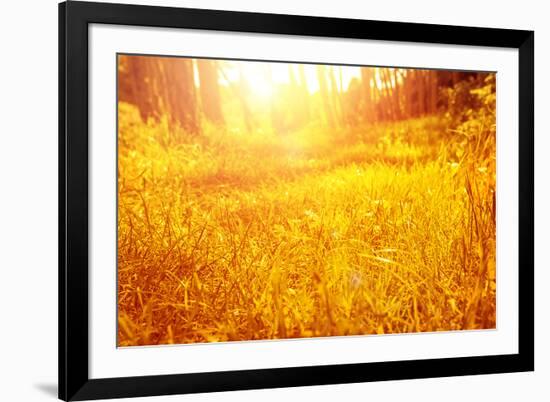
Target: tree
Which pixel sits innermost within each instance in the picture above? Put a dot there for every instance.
(396, 90)
(304, 94)
(352, 106)
(210, 90)
(323, 90)
(160, 86)
(275, 110)
(368, 104)
(336, 103)
(244, 91)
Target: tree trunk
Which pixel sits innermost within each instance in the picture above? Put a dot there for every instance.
(397, 94)
(304, 94)
(323, 90)
(210, 91)
(160, 87)
(368, 105)
(336, 102)
(244, 91)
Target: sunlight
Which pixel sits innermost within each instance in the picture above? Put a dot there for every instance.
(263, 78)
(259, 84)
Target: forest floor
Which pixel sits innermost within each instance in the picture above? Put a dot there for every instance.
(316, 233)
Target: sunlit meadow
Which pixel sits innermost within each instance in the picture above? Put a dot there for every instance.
(265, 201)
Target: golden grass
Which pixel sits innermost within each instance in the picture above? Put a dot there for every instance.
(239, 237)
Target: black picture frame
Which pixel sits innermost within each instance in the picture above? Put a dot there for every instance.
(74, 18)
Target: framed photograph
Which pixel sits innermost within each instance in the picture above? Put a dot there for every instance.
(257, 200)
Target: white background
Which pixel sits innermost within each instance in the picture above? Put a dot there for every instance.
(108, 361)
(28, 199)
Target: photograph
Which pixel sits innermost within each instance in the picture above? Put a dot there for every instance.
(263, 200)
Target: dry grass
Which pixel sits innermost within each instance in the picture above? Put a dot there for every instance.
(238, 237)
